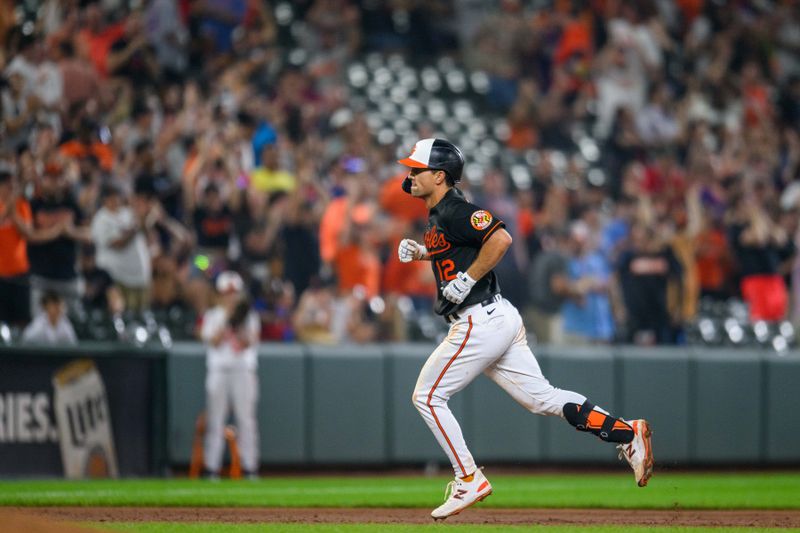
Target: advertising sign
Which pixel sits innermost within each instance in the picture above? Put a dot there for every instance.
(84, 422)
(81, 412)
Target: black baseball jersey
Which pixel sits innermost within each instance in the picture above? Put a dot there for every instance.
(455, 233)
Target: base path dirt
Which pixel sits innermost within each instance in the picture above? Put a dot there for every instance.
(27, 522)
(734, 518)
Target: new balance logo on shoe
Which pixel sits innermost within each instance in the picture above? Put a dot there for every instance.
(639, 452)
(461, 494)
(628, 450)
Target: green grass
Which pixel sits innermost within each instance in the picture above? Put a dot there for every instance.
(687, 491)
(391, 528)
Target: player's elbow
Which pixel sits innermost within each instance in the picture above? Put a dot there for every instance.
(502, 239)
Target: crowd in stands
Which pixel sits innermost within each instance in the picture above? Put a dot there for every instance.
(146, 147)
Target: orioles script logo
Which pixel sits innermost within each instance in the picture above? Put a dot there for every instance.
(435, 241)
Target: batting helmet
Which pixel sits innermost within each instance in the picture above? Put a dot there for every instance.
(436, 154)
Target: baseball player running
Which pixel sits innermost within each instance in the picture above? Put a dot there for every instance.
(231, 332)
(463, 243)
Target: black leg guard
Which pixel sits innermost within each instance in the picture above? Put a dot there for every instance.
(586, 418)
(577, 415)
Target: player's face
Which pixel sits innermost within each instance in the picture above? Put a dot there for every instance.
(228, 299)
(423, 181)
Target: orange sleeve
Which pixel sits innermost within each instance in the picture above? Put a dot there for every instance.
(372, 276)
(347, 267)
(329, 229)
(72, 149)
(24, 210)
(104, 154)
(526, 222)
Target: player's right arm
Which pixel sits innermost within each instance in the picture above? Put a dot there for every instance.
(214, 327)
(410, 250)
(490, 254)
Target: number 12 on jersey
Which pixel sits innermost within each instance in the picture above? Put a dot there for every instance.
(445, 267)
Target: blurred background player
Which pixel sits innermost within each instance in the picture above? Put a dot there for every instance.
(230, 331)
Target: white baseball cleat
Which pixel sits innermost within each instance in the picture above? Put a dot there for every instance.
(461, 494)
(639, 451)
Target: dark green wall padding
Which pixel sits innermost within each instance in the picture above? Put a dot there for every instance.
(351, 405)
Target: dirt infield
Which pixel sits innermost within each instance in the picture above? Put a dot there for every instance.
(25, 522)
(734, 518)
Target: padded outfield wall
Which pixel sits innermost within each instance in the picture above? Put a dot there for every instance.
(351, 405)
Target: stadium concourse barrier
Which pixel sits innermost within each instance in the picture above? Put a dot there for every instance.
(351, 405)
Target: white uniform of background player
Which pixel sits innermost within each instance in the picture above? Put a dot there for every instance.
(231, 379)
(463, 243)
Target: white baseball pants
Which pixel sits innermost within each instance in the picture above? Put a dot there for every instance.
(489, 339)
(236, 388)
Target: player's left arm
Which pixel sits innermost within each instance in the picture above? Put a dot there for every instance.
(492, 251)
(476, 227)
